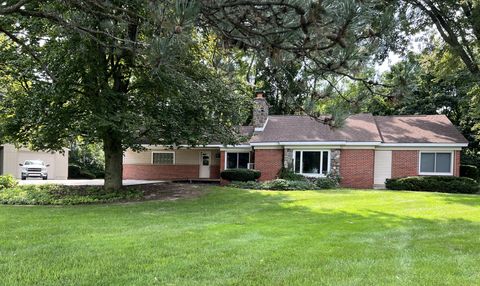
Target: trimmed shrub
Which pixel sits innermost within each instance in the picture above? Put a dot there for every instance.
(289, 175)
(444, 184)
(242, 175)
(251, 185)
(469, 171)
(283, 185)
(326, 183)
(8, 181)
(330, 182)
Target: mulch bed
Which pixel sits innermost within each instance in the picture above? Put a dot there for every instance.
(170, 191)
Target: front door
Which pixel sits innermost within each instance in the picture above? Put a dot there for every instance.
(205, 158)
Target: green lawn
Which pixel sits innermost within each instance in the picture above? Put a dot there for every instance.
(248, 238)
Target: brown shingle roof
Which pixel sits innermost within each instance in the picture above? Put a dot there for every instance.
(418, 129)
(290, 128)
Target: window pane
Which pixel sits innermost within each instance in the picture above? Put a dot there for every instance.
(443, 163)
(163, 158)
(325, 163)
(243, 160)
(297, 161)
(232, 160)
(311, 162)
(427, 163)
(205, 159)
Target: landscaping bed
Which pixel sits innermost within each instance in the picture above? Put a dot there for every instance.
(74, 195)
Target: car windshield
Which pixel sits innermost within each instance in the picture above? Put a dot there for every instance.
(33, 162)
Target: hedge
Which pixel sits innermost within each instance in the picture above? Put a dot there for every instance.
(289, 175)
(284, 185)
(64, 195)
(444, 184)
(242, 175)
(469, 171)
(7, 181)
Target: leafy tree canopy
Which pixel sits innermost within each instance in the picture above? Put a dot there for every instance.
(173, 72)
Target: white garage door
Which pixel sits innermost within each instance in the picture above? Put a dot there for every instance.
(383, 167)
(45, 157)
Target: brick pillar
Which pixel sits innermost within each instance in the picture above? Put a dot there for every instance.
(268, 162)
(357, 168)
(456, 162)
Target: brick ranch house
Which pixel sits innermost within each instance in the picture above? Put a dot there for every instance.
(364, 151)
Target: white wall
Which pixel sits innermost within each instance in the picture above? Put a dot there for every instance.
(12, 157)
(182, 156)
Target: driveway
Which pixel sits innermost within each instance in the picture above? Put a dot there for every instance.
(95, 182)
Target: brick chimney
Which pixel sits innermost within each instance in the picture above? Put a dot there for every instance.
(260, 111)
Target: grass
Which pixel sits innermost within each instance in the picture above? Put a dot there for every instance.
(237, 237)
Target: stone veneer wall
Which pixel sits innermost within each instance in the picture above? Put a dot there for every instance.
(335, 162)
(288, 159)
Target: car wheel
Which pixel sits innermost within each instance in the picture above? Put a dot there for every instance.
(24, 178)
(45, 178)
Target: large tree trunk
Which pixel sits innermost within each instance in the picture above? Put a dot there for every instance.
(113, 150)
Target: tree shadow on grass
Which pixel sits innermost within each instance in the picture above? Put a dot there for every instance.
(469, 200)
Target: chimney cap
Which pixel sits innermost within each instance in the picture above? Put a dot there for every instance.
(259, 93)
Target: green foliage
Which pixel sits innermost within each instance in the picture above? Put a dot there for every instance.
(63, 195)
(289, 175)
(136, 73)
(469, 171)
(470, 157)
(252, 185)
(7, 181)
(242, 175)
(76, 172)
(444, 184)
(88, 157)
(286, 184)
(326, 183)
(283, 185)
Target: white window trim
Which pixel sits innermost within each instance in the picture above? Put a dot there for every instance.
(237, 152)
(169, 152)
(452, 163)
(321, 162)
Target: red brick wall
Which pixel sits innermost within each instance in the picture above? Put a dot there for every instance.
(166, 172)
(357, 168)
(456, 166)
(404, 163)
(215, 172)
(269, 162)
(163, 172)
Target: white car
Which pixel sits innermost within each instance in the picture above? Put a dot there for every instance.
(34, 168)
